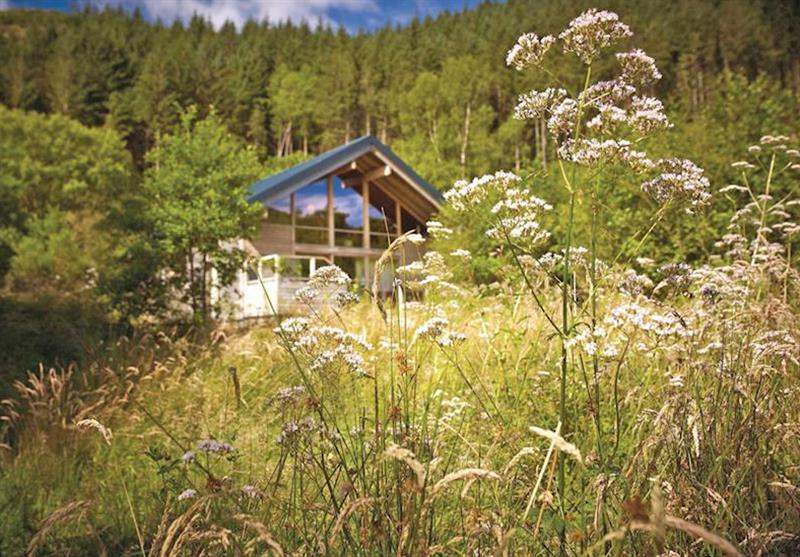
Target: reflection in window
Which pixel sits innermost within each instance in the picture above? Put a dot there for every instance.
(348, 206)
(311, 213)
(311, 204)
(349, 239)
(279, 211)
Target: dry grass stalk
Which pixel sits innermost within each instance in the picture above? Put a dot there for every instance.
(464, 474)
(179, 530)
(523, 452)
(559, 442)
(262, 535)
(406, 456)
(72, 511)
(345, 514)
(91, 423)
(699, 532)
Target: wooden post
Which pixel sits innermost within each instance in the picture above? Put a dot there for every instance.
(366, 227)
(331, 233)
(365, 210)
(292, 223)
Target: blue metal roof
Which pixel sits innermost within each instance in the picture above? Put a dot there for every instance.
(284, 183)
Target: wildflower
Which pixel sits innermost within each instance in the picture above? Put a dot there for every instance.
(589, 152)
(608, 119)
(306, 295)
(536, 104)
(680, 179)
(432, 328)
(328, 275)
(451, 338)
(529, 50)
(638, 69)
(518, 214)
(293, 326)
(465, 194)
(461, 253)
(214, 446)
(252, 491)
(187, 494)
(610, 91)
(344, 298)
(287, 395)
(592, 31)
(562, 118)
(647, 115)
(437, 230)
(188, 457)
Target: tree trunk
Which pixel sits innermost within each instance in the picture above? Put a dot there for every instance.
(517, 163)
(192, 287)
(367, 124)
(204, 286)
(465, 141)
(347, 132)
(285, 143)
(305, 144)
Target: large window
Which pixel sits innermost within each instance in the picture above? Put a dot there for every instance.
(279, 211)
(311, 213)
(348, 215)
(310, 207)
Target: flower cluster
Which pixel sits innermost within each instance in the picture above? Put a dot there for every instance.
(295, 431)
(536, 104)
(287, 396)
(638, 69)
(213, 446)
(647, 115)
(518, 218)
(327, 283)
(437, 230)
(529, 50)
(592, 31)
(680, 179)
(465, 195)
(590, 152)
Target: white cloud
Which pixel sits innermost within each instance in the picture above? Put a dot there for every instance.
(4, 5)
(239, 11)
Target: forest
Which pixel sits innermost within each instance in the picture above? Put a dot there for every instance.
(609, 364)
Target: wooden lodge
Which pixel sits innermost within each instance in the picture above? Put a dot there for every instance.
(343, 207)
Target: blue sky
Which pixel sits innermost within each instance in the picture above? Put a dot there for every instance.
(352, 14)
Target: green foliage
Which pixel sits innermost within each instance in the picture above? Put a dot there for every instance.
(61, 186)
(196, 187)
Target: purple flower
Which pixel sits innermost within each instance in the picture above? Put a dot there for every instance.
(187, 494)
(251, 491)
(214, 446)
(188, 456)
